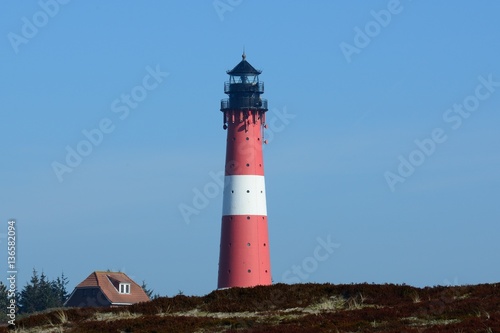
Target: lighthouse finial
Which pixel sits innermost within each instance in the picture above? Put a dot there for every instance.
(243, 56)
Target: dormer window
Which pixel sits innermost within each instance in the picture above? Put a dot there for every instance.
(124, 288)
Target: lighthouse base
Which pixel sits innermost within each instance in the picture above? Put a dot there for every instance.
(244, 252)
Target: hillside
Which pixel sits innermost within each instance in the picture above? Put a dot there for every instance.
(292, 308)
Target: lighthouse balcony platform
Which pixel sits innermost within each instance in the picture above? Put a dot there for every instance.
(249, 103)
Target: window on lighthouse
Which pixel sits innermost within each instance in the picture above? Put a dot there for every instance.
(244, 79)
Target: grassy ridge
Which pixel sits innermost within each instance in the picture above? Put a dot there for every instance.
(292, 308)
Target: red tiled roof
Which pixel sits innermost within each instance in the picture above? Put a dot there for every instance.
(105, 280)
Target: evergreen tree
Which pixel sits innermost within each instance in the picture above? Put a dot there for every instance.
(60, 288)
(148, 291)
(29, 295)
(3, 301)
(41, 293)
(49, 293)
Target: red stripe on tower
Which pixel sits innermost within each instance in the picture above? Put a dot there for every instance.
(244, 248)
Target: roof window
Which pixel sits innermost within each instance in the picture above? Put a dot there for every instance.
(124, 288)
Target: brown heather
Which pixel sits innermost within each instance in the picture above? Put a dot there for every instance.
(291, 308)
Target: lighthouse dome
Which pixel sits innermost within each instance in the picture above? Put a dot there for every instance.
(244, 68)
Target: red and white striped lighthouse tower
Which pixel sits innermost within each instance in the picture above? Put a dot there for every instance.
(244, 247)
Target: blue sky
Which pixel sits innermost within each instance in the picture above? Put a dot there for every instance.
(384, 141)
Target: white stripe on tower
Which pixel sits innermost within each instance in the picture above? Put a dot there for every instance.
(244, 195)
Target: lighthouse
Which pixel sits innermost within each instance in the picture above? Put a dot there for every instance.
(244, 259)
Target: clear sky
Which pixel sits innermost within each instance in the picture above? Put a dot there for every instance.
(383, 138)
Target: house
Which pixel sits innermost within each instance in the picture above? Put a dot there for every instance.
(106, 289)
